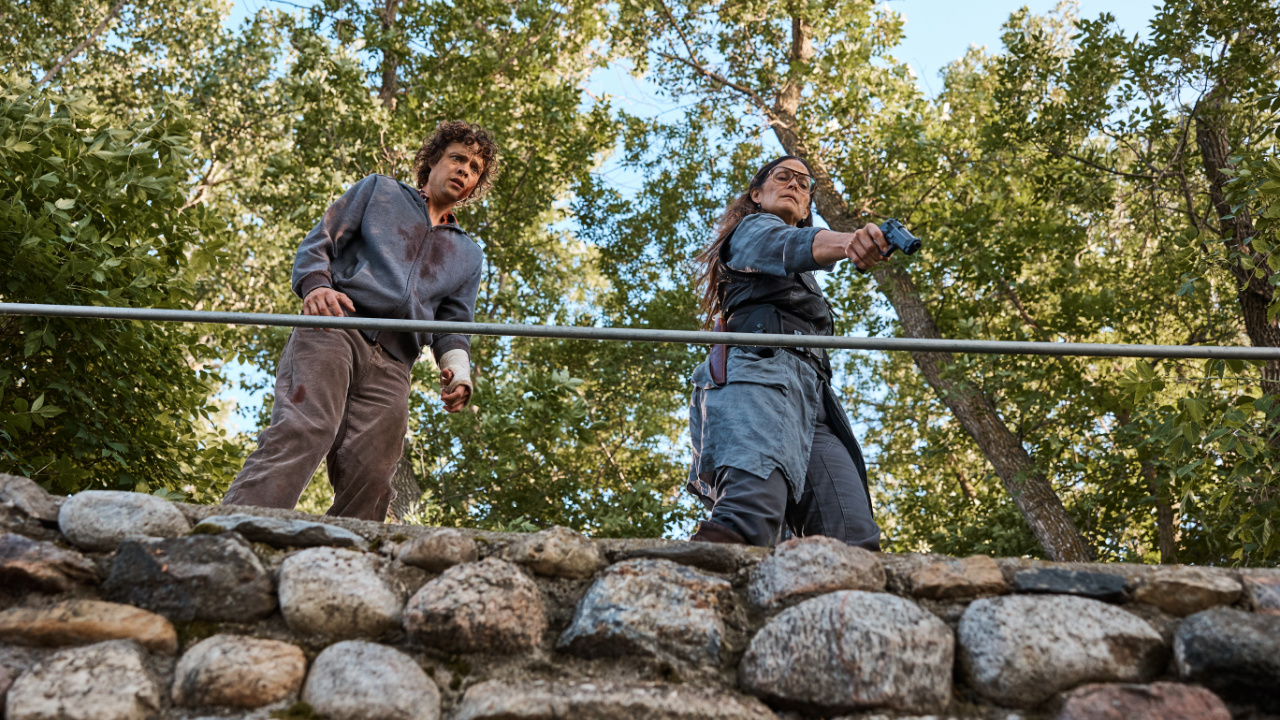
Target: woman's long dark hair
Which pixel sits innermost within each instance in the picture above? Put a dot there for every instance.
(711, 275)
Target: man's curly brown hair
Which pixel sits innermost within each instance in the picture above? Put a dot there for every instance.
(469, 134)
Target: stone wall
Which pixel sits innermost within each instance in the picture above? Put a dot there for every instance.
(122, 605)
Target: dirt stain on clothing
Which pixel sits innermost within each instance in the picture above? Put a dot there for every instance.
(413, 238)
(442, 250)
(299, 395)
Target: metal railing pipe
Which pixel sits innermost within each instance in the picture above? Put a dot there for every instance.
(689, 337)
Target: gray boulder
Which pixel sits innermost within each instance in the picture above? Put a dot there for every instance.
(559, 552)
(852, 650)
(281, 532)
(107, 681)
(1234, 653)
(100, 519)
(652, 608)
(801, 568)
(215, 578)
(329, 594)
(439, 550)
(28, 497)
(356, 680)
(1183, 591)
(489, 606)
(1020, 650)
(39, 565)
(541, 700)
(1058, 581)
(1263, 592)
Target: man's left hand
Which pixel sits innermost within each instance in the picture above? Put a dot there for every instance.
(455, 399)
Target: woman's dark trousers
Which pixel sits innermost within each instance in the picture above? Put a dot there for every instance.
(834, 502)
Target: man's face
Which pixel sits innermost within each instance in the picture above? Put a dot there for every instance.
(455, 175)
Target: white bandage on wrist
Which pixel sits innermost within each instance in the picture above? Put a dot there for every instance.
(459, 361)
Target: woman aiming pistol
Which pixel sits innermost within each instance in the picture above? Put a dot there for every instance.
(771, 442)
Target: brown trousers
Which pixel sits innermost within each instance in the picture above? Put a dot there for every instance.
(338, 399)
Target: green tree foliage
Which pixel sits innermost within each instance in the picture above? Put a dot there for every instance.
(1079, 184)
(90, 215)
(291, 109)
(1157, 121)
(1031, 178)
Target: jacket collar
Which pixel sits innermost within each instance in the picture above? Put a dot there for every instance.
(449, 218)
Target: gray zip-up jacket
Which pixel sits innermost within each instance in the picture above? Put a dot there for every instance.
(377, 245)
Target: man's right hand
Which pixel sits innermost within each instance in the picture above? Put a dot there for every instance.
(327, 301)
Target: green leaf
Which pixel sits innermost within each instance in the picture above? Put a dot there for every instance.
(1196, 408)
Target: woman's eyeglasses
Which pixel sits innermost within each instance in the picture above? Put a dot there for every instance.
(784, 176)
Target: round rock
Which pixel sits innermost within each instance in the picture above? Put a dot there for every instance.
(558, 552)
(81, 622)
(236, 671)
(24, 494)
(356, 680)
(488, 606)
(801, 568)
(1263, 592)
(1183, 591)
(1157, 701)
(541, 700)
(1019, 650)
(100, 519)
(107, 681)
(331, 594)
(852, 650)
(215, 578)
(439, 550)
(653, 608)
(1234, 653)
(38, 565)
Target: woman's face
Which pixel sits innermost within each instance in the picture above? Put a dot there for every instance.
(788, 200)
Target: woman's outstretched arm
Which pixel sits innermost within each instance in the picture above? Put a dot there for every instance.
(865, 247)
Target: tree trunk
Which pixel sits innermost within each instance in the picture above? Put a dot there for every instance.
(1166, 520)
(1254, 294)
(1028, 487)
(1040, 505)
(405, 483)
(390, 61)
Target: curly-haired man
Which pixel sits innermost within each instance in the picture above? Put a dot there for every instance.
(387, 250)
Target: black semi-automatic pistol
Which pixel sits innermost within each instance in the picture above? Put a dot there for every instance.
(898, 237)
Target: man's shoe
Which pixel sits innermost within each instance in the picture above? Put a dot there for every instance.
(716, 533)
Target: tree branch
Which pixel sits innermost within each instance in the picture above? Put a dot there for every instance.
(115, 10)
